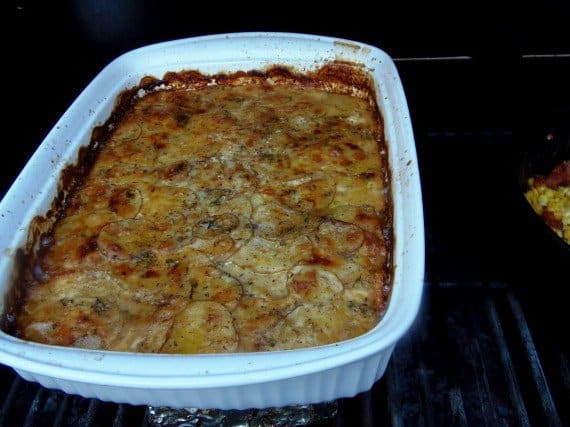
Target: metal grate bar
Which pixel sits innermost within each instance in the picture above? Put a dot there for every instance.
(543, 389)
(565, 372)
(146, 418)
(393, 392)
(401, 386)
(91, 412)
(423, 381)
(9, 399)
(473, 382)
(510, 374)
(61, 410)
(485, 391)
(119, 416)
(34, 408)
(366, 410)
(457, 407)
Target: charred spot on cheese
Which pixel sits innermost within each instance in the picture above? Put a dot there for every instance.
(175, 171)
(125, 202)
(235, 212)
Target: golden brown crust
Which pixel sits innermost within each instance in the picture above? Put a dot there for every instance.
(237, 212)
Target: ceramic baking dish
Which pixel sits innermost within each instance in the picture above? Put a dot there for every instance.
(224, 381)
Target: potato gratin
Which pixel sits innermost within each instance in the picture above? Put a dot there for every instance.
(549, 196)
(229, 213)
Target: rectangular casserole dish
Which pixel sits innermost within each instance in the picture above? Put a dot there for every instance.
(225, 381)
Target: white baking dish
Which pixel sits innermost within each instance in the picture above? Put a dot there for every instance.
(225, 380)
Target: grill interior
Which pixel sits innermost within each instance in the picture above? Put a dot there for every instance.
(490, 345)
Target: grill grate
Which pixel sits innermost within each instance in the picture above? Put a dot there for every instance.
(473, 357)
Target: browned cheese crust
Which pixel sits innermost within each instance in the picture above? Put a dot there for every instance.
(228, 213)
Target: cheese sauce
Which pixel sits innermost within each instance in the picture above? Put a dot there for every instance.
(222, 218)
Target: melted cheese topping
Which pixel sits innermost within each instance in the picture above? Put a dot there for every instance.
(220, 219)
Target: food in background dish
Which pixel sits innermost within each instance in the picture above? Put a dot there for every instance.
(243, 212)
(549, 196)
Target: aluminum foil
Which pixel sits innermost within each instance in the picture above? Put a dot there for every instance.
(298, 415)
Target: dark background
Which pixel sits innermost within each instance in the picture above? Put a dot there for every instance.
(510, 73)
(484, 82)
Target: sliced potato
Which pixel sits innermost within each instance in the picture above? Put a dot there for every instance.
(262, 285)
(313, 196)
(125, 202)
(313, 284)
(268, 256)
(202, 327)
(162, 200)
(273, 221)
(211, 284)
(124, 148)
(127, 239)
(219, 201)
(219, 236)
(316, 324)
(340, 237)
(358, 190)
(254, 319)
(83, 309)
(101, 198)
(146, 329)
(337, 156)
(363, 215)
